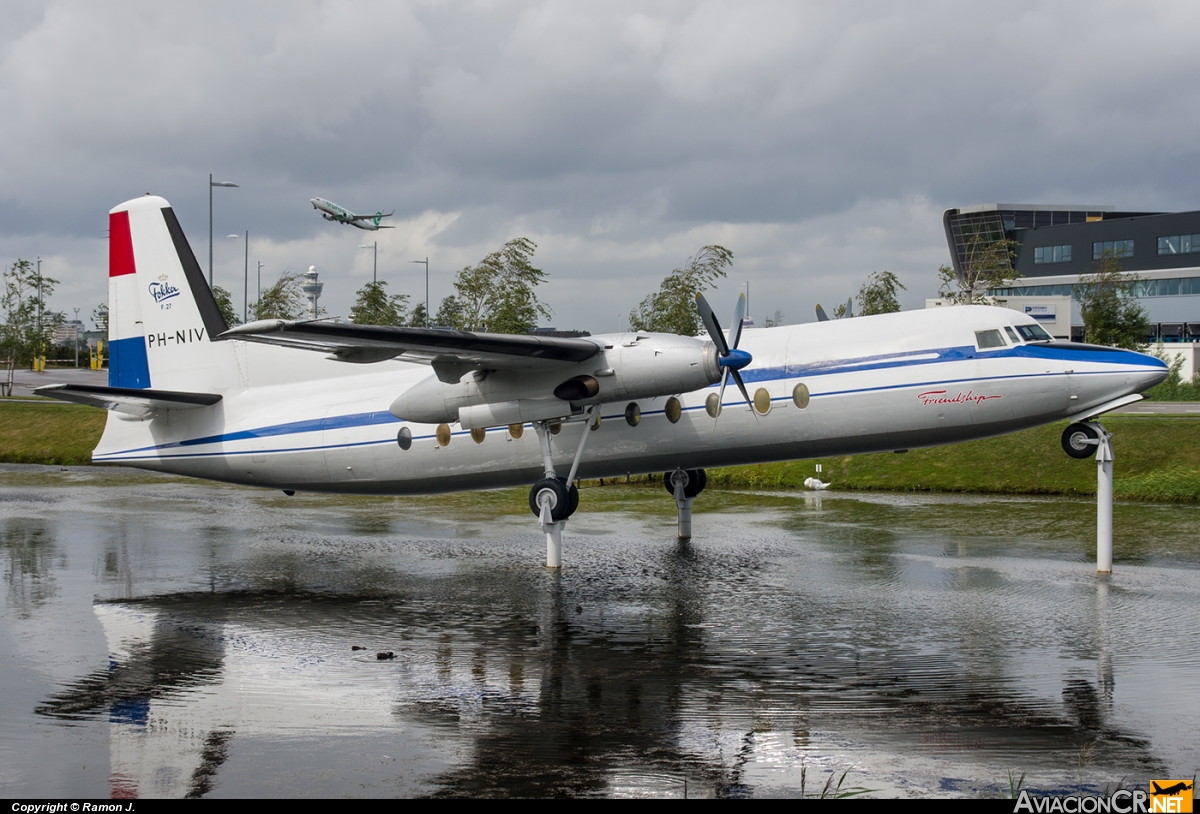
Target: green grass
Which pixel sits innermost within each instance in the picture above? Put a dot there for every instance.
(1157, 458)
(50, 433)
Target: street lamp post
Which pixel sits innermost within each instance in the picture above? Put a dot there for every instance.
(211, 184)
(245, 276)
(428, 317)
(41, 345)
(260, 265)
(76, 326)
(375, 263)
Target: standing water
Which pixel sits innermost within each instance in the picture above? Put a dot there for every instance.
(168, 637)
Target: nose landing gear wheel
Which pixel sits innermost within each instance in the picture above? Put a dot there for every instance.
(564, 500)
(1080, 441)
(697, 479)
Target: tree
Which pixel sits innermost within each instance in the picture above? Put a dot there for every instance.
(100, 318)
(419, 318)
(450, 314)
(878, 294)
(988, 264)
(283, 300)
(375, 307)
(774, 321)
(1111, 314)
(673, 308)
(497, 295)
(28, 328)
(225, 306)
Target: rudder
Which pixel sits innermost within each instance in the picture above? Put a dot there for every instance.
(162, 314)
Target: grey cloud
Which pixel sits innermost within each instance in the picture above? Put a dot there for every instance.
(622, 130)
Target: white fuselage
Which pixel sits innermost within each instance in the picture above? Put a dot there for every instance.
(293, 419)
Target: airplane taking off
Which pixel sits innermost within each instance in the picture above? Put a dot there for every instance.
(331, 211)
(332, 407)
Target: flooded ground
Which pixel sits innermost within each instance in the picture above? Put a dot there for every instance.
(164, 637)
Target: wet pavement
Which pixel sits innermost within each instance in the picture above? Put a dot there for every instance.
(167, 637)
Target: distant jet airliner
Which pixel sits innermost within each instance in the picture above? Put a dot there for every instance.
(331, 211)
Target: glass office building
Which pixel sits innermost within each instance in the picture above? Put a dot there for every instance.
(1055, 245)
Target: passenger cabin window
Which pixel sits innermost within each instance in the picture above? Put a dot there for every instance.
(1011, 334)
(1034, 333)
(989, 339)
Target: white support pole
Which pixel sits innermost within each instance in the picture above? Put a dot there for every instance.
(553, 531)
(684, 504)
(1104, 501)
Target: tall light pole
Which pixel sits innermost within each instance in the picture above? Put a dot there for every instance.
(375, 264)
(428, 316)
(76, 326)
(245, 276)
(37, 360)
(211, 184)
(260, 265)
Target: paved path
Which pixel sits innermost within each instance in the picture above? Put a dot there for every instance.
(25, 380)
(1161, 408)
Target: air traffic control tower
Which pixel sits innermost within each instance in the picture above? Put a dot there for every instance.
(1057, 244)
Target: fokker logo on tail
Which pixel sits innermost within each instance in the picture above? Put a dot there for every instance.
(162, 290)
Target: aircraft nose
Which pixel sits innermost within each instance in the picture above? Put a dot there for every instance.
(1153, 370)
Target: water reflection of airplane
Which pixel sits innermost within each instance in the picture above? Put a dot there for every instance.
(324, 406)
(537, 699)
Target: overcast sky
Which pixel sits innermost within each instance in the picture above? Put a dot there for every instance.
(819, 142)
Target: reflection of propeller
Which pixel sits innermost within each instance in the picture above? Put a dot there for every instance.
(729, 357)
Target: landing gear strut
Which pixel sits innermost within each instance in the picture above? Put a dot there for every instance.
(684, 485)
(554, 499)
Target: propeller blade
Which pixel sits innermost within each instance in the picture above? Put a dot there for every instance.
(737, 378)
(850, 307)
(821, 315)
(710, 322)
(721, 397)
(739, 313)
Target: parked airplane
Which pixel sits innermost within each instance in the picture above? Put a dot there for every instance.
(333, 407)
(331, 211)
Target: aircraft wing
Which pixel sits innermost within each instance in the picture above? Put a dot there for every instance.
(451, 353)
(350, 216)
(127, 400)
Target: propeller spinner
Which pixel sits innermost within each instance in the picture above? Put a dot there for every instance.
(729, 357)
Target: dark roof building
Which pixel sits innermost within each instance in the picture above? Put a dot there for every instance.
(1054, 245)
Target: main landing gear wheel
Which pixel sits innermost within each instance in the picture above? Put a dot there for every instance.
(694, 483)
(1080, 441)
(564, 500)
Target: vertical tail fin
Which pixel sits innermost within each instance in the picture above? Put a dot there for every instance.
(162, 314)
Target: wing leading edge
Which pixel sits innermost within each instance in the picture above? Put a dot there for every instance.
(451, 353)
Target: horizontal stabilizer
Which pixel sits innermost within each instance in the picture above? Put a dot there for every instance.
(131, 401)
(456, 351)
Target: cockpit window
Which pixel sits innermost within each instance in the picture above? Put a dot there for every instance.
(989, 339)
(1034, 333)
(1011, 334)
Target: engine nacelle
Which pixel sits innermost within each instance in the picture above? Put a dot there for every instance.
(630, 367)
